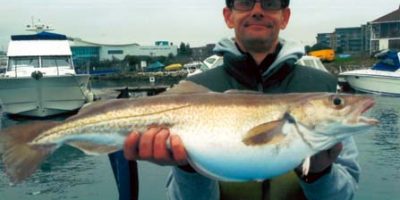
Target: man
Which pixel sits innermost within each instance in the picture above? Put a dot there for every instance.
(256, 59)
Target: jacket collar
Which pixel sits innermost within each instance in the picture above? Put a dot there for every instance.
(245, 70)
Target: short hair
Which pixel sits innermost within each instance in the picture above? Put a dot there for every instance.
(285, 3)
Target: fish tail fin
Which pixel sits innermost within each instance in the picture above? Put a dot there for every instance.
(20, 158)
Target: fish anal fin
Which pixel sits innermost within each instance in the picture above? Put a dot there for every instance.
(187, 87)
(90, 148)
(266, 133)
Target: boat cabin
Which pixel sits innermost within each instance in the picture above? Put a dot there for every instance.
(45, 53)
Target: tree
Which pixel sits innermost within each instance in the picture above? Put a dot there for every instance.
(307, 49)
(184, 49)
(188, 50)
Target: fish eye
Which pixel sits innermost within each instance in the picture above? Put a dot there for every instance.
(337, 101)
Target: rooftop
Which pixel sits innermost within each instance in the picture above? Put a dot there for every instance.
(393, 16)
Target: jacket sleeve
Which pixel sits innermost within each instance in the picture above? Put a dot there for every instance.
(182, 185)
(342, 181)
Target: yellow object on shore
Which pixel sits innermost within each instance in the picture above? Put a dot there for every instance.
(324, 54)
(173, 67)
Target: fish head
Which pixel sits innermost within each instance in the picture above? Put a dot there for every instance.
(336, 114)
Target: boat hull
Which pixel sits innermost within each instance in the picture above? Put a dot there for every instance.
(49, 95)
(377, 84)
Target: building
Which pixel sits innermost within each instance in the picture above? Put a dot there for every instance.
(85, 52)
(201, 53)
(382, 33)
(385, 32)
(349, 40)
(327, 39)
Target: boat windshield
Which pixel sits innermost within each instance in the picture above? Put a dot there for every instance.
(56, 61)
(389, 61)
(23, 62)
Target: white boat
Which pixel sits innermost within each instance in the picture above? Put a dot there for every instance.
(199, 67)
(383, 78)
(40, 78)
(313, 62)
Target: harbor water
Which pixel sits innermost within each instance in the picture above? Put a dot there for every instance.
(69, 174)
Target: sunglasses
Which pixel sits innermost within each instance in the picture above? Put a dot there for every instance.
(246, 5)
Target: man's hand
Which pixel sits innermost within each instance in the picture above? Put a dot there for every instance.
(320, 164)
(324, 159)
(152, 146)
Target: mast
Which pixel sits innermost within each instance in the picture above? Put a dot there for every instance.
(38, 27)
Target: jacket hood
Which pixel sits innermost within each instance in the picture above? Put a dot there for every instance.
(291, 51)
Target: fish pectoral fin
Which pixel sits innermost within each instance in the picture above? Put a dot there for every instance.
(90, 148)
(187, 87)
(266, 133)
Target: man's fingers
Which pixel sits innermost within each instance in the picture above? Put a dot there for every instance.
(178, 150)
(335, 151)
(146, 143)
(131, 146)
(161, 153)
(152, 146)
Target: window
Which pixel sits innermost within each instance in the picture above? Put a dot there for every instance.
(56, 61)
(115, 52)
(26, 62)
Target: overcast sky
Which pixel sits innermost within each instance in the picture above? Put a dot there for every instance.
(196, 22)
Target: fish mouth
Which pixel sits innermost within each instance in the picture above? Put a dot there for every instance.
(363, 107)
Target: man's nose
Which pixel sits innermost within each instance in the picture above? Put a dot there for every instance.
(257, 10)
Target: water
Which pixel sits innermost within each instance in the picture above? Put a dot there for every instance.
(69, 174)
(380, 153)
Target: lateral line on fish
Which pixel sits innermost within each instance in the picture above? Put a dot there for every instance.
(89, 122)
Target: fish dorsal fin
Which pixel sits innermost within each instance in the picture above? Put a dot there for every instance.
(268, 133)
(187, 87)
(243, 92)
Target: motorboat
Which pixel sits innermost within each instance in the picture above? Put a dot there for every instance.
(40, 78)
(382, 78)
(194, 68)
(198, 67)
(313, 62)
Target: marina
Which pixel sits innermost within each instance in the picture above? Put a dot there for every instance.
(49, 77)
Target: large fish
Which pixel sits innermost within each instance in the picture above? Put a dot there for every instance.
(235, 136)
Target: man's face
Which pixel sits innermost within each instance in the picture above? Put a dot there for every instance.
(257, 30)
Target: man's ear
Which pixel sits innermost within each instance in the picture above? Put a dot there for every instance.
(285, 17)
(228, 17)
